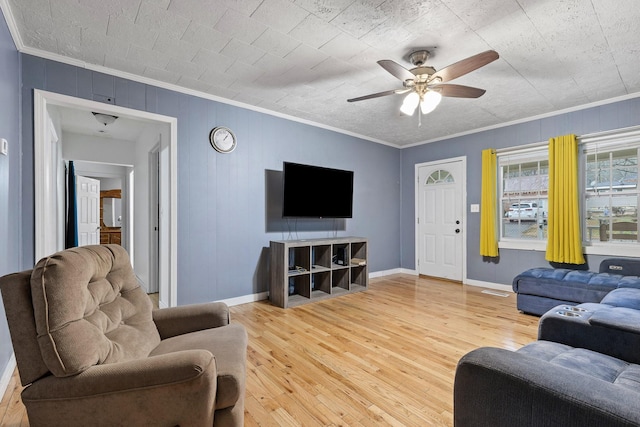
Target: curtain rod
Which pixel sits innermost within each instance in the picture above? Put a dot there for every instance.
(520, 148)
(582, 139)
(614, 133)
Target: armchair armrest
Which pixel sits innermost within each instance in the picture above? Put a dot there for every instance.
(137, 392)
(175, 321)
(497, 387)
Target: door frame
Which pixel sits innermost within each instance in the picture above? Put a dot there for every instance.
(41, 100)
(416, 181)
(154, 217)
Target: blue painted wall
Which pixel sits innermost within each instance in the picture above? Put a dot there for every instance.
(223, 230)
(511, 262)
(228, 204)
(10, 176)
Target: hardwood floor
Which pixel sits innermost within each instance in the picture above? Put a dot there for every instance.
(386, 356)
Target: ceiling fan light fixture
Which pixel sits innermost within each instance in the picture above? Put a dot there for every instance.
(105, 119)
(430, 101)
(410, 103)
(426, 86)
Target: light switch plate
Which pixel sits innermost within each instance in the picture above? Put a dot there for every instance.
(475, 207)
(4, 147)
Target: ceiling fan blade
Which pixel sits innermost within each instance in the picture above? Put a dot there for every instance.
(396, 70)
(377, 95)
(465, 66)
(458, 91)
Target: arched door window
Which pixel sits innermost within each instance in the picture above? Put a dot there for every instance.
(440, 176)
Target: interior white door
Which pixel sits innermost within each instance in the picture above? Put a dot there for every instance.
(440, 220)
(88, 199)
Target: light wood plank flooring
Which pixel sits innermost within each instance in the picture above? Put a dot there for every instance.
(386, 356)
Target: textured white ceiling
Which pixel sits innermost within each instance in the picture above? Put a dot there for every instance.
(305, 58)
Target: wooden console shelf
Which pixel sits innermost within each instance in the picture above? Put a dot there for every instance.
(303, 271)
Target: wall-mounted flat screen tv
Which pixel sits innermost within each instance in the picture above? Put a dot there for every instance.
(316, 192)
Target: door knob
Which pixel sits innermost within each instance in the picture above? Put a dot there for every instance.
(458, 222)
(457, 230)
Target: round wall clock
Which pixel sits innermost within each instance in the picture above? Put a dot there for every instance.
(222, 139)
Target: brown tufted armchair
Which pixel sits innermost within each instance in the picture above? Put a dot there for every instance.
(91, 350)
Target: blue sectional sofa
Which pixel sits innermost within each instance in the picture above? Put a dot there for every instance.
(611, 326)
(583, 371)
(540, 289)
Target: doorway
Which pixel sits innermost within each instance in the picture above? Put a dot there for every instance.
(45, 173)
(441, 219)
(88, 201)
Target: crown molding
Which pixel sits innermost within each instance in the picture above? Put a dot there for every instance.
(12, 24)
(530, 119)
(176, 88)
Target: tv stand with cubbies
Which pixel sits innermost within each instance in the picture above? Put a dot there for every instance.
(308, 270)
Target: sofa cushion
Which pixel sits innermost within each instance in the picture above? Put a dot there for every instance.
(619, 318)
(623, 297)
(586, 362)
(89, 309)
(228, 345)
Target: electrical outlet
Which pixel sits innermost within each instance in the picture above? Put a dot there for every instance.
(475, 207)
(4, 147)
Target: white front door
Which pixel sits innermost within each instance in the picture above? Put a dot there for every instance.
(440, 217)
(88, 199)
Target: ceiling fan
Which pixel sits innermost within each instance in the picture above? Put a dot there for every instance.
(424, 84)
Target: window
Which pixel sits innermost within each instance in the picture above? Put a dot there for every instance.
(609, 172)
(440, 177)
(610, 206)
(524, 184)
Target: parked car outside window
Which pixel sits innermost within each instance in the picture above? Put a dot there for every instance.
(525, 211)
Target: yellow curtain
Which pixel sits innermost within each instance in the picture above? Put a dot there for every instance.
(564, 243)
(488, 202)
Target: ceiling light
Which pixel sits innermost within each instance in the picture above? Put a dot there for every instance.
(430, 101)
(105, 119)
(410, 103)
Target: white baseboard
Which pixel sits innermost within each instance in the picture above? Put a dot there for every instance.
(488, 285)
(6, 375)
(392, 271)
(246, 299)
